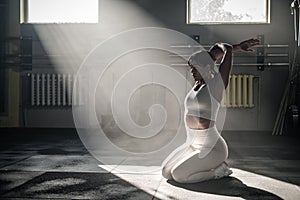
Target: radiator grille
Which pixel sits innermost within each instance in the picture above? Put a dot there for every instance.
(57, 90)
(53, 90)
(239, 93)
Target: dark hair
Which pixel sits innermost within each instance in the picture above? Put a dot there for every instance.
(200, 58)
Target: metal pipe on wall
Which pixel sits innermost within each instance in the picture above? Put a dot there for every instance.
(245, 95)
(53, 90)
(233, 93)
(48, 90)
(239, 90)
(64, 90)
(58, 89)
(228, 104)
(250, 90)
(69, 89)
(32, 89)
(43, 89)
(37, 89)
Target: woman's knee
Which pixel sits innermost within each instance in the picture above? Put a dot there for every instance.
(179, 177)
(180, 174)
(166, 173)
(175, 174)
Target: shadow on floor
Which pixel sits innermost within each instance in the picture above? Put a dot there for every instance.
(70, 185)
(229, 186)
(262, 153)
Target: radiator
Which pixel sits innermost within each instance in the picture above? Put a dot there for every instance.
(57, 90)
(53, 90)
(239, 92)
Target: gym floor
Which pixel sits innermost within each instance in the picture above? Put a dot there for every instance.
(54, 164)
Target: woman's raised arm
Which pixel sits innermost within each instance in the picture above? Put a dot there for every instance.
(224, 51)
(217, 51)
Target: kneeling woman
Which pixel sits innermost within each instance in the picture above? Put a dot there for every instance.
(204, 158)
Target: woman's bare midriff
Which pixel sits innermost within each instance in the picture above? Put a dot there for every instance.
(194, 122)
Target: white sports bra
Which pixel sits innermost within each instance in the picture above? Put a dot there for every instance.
(201, 103)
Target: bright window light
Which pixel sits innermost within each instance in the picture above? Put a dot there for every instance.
(228, 11)
(61, 11)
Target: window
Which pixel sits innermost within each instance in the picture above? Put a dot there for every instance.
(228, 11)
(59, 11)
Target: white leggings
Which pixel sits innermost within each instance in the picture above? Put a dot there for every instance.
(197, 162)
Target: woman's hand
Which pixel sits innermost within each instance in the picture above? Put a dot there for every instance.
(246, 45)
(218, 50)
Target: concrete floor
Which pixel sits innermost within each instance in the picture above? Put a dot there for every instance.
(53, 164)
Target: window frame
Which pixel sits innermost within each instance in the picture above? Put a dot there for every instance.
(188, 17)
(24, 13)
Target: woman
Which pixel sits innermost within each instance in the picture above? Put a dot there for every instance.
(204, 158)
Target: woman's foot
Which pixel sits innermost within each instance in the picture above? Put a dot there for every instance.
(222, 170)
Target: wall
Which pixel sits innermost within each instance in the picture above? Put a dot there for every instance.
(10, 118)
(279, 31)
(119, 15)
